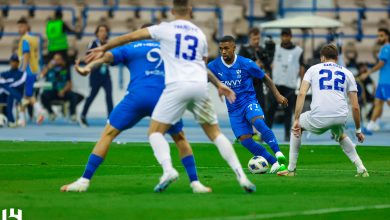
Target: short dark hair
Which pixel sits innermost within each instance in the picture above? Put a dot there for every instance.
(58, 14)
(22, 20)
(181, 6)
(227, 38)
(384, 30)
(330, 51)
(254, 31)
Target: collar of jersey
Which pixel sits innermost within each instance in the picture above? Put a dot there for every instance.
(227, 65)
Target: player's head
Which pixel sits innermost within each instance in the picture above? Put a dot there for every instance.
(102, 32)
(383, 36)
(58, 60)
(227, 47)
(14, 61)
(286, 35)
(23, 27)
(329, 52)
(181, 8)
(58, 14)
(254, 37)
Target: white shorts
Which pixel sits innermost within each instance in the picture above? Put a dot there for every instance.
(177, 97)
(321, 125)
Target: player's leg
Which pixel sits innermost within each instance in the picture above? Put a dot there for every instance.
(30, 98)
(380, 98)
(204, 113)
(93, 93)
(268, 136)
(349, 149)
(187, 158)
(107, 86)
(168, 111)
(295, 142)
(227, 152)
(161, 151)
(378, 108)
(122, 118)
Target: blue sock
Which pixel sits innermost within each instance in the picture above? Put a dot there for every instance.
(93, 163)
(266, 134)
(258, 150)
(189, 164)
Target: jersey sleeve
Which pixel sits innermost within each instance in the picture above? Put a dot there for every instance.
(120, 55)
(157, 31)
(351, 83)
(211, 67)
(384, 53)
(308, 75)
(254, 69)
(25, 47)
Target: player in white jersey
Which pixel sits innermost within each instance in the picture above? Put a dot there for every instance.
(331, 84)
(184, 51)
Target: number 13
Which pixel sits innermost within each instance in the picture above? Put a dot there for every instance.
(191, 47)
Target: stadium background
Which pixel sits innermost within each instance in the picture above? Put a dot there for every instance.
(361, 20)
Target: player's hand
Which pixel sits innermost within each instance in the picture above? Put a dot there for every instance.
(364, 76)
(296, 129)
(282, 100)
(81, 70)
(360, 136)
(94, 54)
(223, 90)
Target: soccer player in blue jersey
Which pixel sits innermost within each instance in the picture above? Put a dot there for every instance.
(237, 73)
(383, 90)
(143, 60)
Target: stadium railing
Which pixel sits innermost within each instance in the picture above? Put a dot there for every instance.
(314, 9)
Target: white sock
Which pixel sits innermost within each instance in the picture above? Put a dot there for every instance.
(295, 143)
(21, 116)
(227, 152)
(161, 150)
(349, 149)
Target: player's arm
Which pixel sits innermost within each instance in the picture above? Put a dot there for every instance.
(296, 129)
(97, 52)
(353, 98)
(223, 90)
(107, 58)
(271, 85)
(377, 67)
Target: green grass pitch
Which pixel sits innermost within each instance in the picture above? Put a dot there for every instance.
(31, 174)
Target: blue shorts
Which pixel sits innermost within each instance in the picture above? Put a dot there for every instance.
(383, 92)
(240, 120)
(135, 107)
(29, 85)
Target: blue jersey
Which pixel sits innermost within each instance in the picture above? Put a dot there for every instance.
(384, 74)
(12, 78)
(144, 60)
(238, 76)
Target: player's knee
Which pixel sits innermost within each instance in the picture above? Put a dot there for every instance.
(245, 137)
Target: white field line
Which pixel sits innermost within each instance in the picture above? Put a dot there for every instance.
(300, 213)
(155, 166)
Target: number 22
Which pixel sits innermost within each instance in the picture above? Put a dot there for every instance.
(337, 81)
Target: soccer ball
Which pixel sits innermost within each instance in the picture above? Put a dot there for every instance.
(258, 165)
(3, 121)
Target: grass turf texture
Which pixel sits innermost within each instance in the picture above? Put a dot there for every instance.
(31, 174)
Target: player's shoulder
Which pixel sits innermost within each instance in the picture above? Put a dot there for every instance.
(244, 61)
(214, 63)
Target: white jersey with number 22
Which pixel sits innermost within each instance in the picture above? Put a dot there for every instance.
(330, 84)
